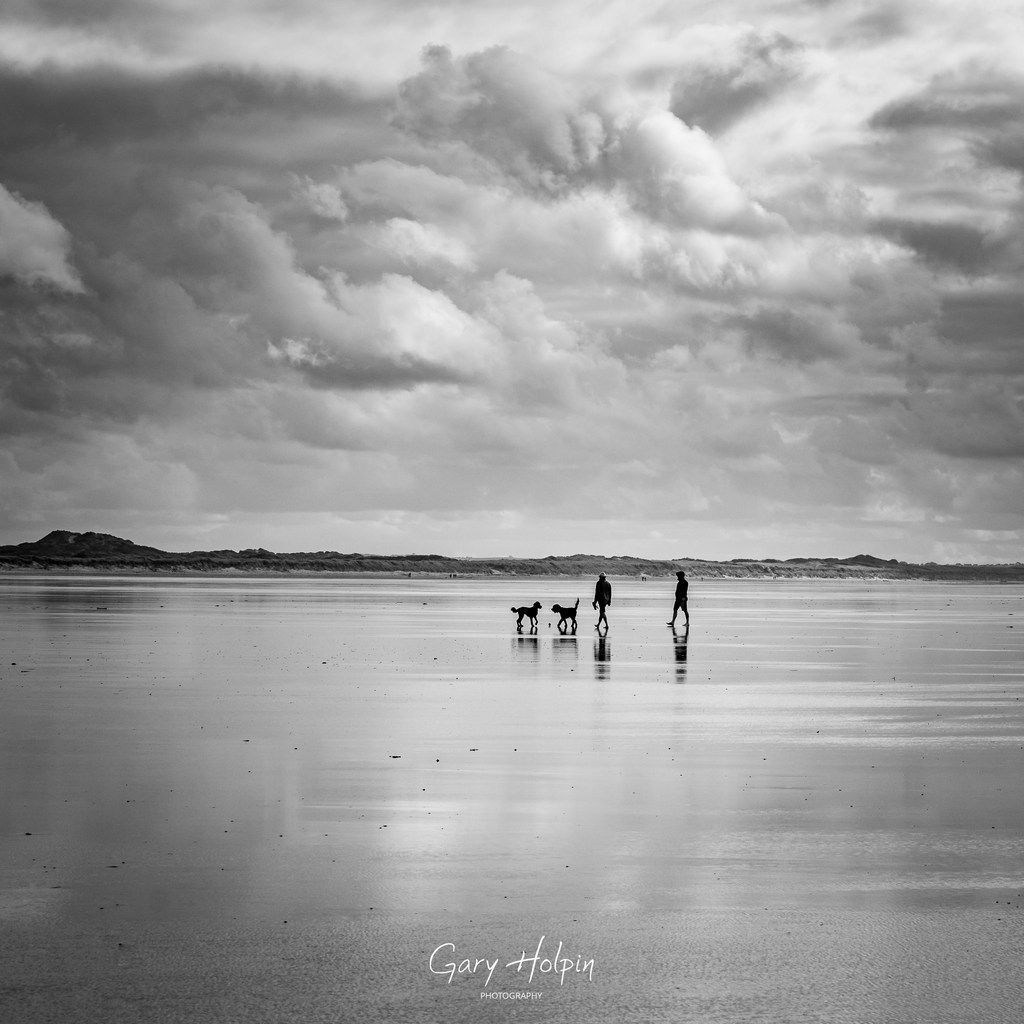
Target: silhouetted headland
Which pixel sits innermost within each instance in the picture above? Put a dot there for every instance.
(64, 551)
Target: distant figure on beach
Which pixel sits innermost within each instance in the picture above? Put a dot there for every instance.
(680, 603)
(602, 598)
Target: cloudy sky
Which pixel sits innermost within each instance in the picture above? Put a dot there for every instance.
(718, 279)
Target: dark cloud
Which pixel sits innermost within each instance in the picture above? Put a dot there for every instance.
(972, 99)
(1005, 150)
(878, 24)
(373, 373)
(101, 147)
(980, 421)
(977, 421)
(82, 12)
(960, 247)
(801, 337)
(105, 105)
(104, 355)
(843, 403)
(150, 24)
(714, 96)
(989, 323)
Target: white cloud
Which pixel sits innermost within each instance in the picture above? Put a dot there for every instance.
(323, 199)
(414, 242)
(34, 247)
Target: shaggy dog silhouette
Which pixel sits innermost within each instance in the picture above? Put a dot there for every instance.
(529, 612)
(567, 616)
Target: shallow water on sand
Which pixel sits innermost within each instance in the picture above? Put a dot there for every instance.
(190, 752)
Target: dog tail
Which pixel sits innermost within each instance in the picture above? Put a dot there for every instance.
(576, 605)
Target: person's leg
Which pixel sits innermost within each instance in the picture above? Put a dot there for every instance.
(675, 611)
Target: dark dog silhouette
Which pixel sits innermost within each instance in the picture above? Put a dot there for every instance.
(567, 616)
(528, 611)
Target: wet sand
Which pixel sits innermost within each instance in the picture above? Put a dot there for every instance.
(230, 799)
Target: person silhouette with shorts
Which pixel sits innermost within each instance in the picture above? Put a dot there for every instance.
(602, 598)
(680, 603)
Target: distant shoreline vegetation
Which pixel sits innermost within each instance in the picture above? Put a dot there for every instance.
(64, 551)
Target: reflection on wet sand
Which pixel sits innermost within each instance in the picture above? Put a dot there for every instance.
(526, 646)
(679, 643)
(263, 756)
(564, 648)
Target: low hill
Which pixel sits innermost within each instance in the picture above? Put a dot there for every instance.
(64, 551)
(65, 544)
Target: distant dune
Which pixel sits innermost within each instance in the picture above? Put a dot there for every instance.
(63, 551)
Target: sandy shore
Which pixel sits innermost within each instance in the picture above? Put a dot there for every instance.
(681, 967)
(269, 800)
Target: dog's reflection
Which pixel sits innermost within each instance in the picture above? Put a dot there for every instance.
(679, 641)
(563, 648)
(525, 645)
(602, 658)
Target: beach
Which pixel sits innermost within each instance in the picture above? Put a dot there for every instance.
(301, 799)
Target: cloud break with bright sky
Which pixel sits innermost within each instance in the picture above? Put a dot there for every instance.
(665, 279)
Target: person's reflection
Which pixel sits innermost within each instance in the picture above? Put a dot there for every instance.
(602, 658)
(679, 640)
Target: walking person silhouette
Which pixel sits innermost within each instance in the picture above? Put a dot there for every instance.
(602, 598)
(680, 603)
